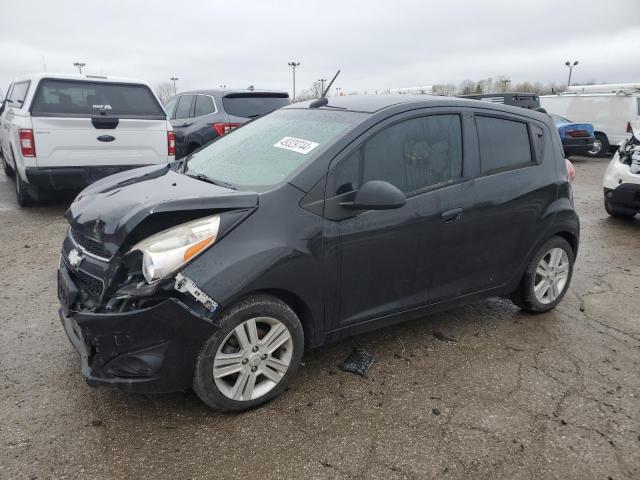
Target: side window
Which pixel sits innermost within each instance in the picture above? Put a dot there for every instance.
(18, 94)
(170, 107)
(412, 155)
(204, 105)
(184, 106)
(503, 143)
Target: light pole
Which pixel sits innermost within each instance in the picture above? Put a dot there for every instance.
(570, 65)
(505, 82)
(174, 80)
(293, 66)
(322, 80)
(79, 65)
(337, 91)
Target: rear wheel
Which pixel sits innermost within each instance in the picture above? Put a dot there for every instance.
(617, 211)
(253, 356)
(600, 146)
(26, 194)
(547, 278)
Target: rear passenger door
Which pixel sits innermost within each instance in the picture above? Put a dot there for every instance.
(504, 207)
(202, 131)
(182, 120)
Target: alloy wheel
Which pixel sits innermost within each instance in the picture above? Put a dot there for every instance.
(597, 148)
(253, 358)
(551, 276)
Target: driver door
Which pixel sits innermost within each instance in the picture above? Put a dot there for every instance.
(382, 261)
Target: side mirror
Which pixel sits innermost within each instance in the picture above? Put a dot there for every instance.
(377, 195)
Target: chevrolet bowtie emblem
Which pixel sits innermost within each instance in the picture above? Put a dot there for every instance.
(75, 258)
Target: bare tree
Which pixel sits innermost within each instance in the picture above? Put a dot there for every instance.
(164, 91)
(313, 92)
(447, 89)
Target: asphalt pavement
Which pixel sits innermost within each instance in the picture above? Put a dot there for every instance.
(481, 391)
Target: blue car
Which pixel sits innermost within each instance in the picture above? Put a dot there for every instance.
(577, 138)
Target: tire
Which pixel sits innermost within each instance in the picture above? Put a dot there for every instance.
(26, 194)
(601, 146)
(525, 295)
(6, 167)
(618, 211)
(236, 377)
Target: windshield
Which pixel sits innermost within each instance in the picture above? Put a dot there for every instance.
(558, 119)
(266, 151)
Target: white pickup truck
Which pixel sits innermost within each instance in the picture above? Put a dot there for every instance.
(61, 131)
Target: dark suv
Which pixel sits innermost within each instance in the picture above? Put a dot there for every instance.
(201, 116)
(310, 224)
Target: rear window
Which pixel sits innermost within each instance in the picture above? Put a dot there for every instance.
(504, 144)
(85, 98)
(254, 104)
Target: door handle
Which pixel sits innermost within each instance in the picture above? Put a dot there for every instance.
(185, 124)
(451, 216)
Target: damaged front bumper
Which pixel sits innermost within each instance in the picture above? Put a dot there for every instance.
(150, 350)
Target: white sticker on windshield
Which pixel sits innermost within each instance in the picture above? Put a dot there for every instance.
(296, 145)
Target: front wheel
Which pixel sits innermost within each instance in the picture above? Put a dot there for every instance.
(5, 165)
(253, 356)
(547, 278)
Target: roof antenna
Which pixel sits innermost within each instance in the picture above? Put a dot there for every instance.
(322, 101)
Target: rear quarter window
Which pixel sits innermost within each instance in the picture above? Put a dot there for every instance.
(204, 106)
(504, 144)
(85, 98)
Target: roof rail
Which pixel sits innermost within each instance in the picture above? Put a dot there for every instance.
(605, 88)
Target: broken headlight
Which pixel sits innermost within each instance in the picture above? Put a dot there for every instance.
(165, 252)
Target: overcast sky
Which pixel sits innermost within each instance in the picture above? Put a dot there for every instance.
(377, 44)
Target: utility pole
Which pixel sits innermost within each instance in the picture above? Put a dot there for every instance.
(174, 80)
(505, 82)
(79, 65)
(293, 66)
(570, 65)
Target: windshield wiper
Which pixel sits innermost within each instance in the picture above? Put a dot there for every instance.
(204, 178)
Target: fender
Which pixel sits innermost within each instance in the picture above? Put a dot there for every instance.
(226, 271)
(565, 223)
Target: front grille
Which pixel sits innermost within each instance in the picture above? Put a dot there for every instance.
(89, 244)
(83, 281)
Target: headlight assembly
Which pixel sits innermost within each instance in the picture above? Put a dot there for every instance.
(165, 252)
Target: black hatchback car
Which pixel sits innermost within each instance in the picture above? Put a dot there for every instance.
(308, 225)
(199, 117)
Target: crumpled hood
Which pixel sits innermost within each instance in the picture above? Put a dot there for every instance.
(110, 209)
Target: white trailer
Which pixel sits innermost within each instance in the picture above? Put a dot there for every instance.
(609, 108)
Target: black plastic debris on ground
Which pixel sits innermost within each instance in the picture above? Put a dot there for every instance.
(443, 338)
(357, 362)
